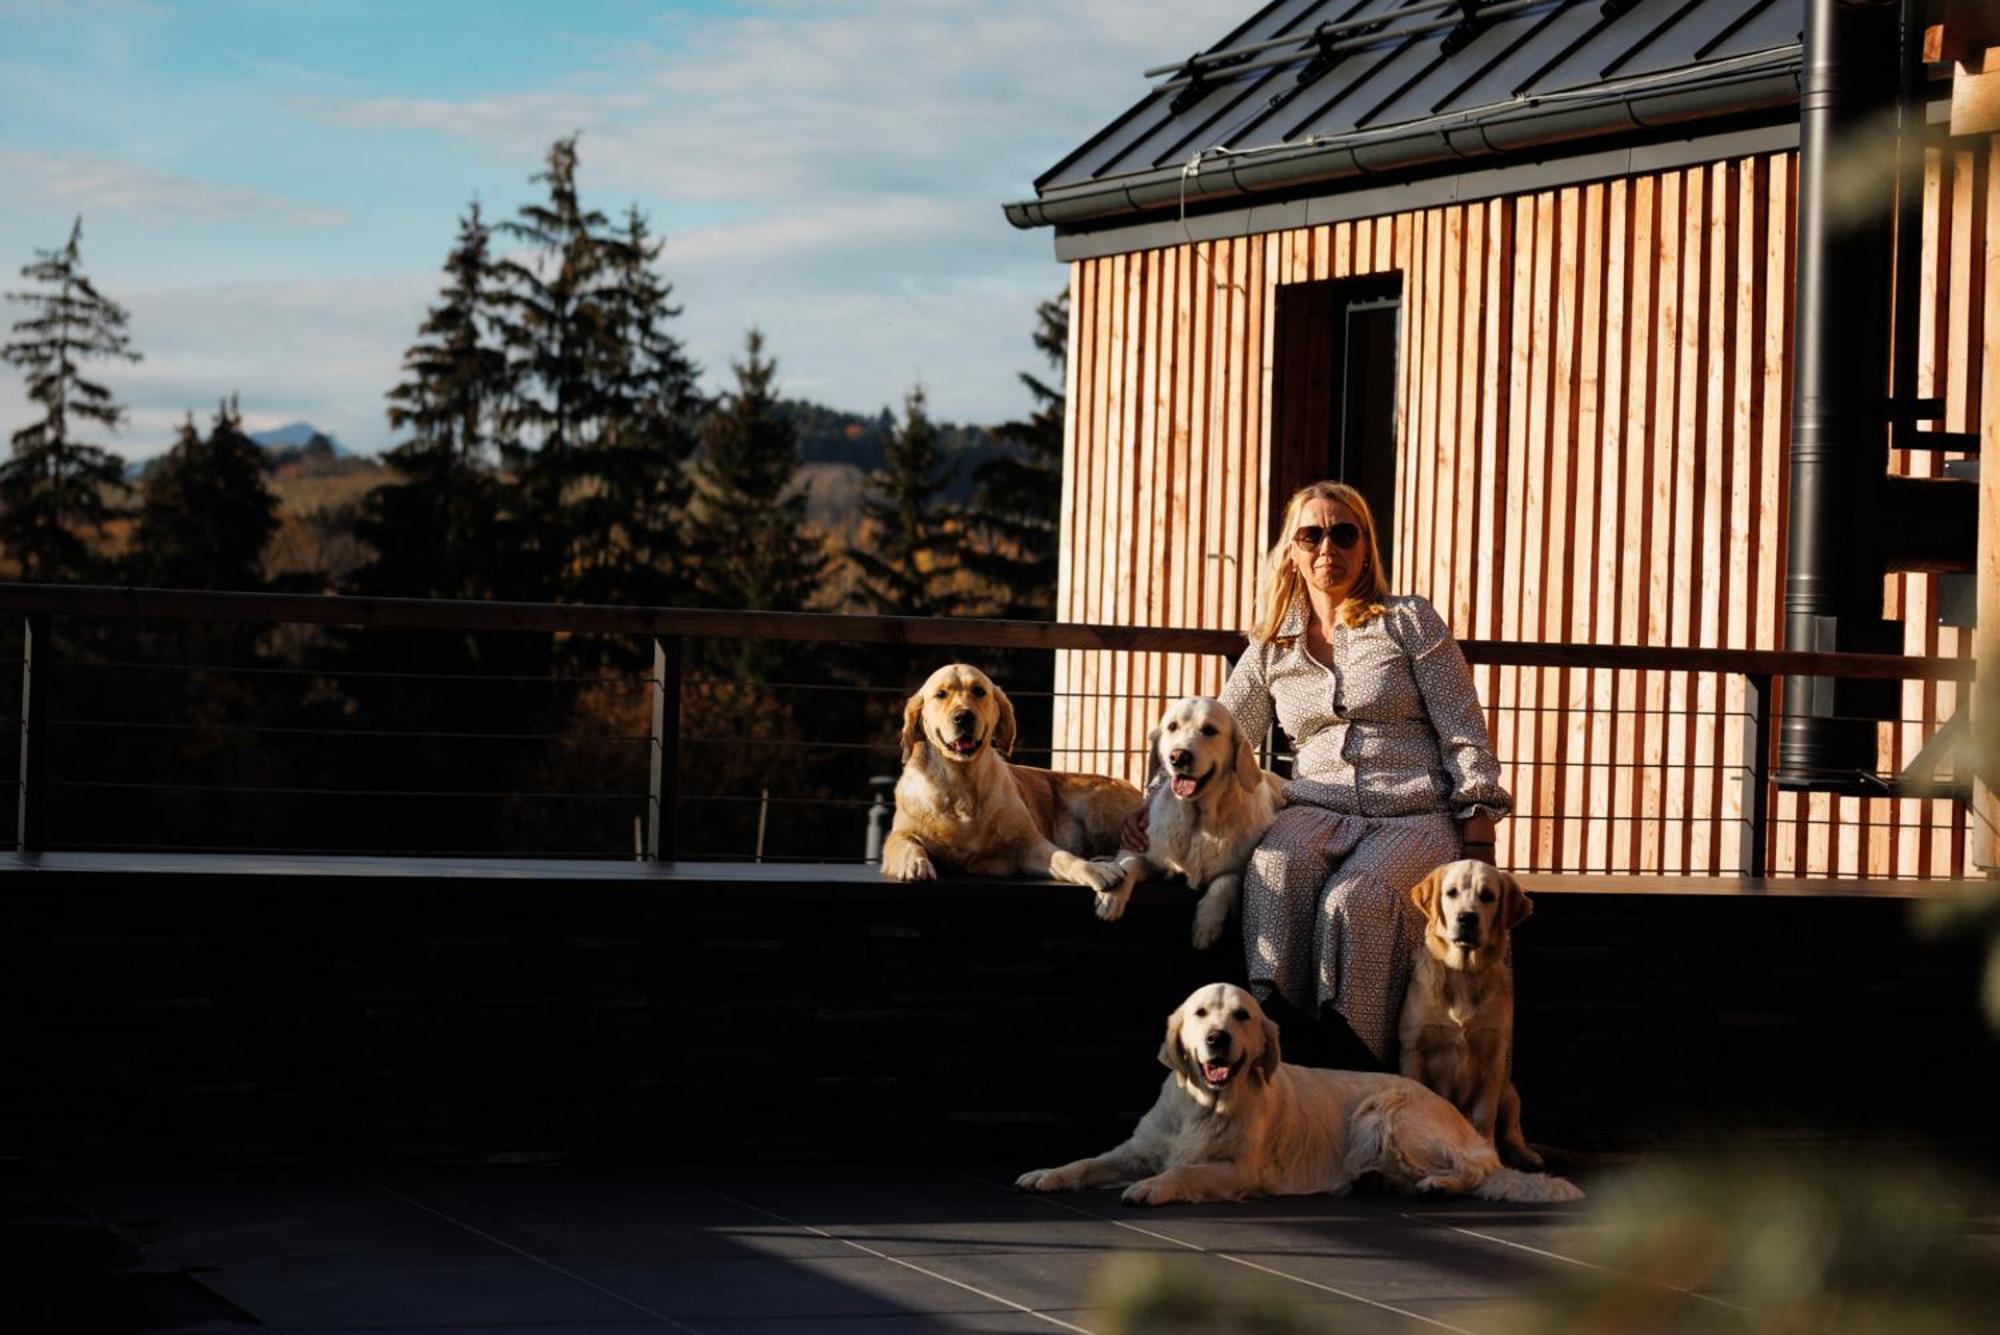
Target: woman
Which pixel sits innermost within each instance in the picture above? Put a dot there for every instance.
(1393, 774)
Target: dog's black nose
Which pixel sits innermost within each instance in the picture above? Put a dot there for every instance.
(965, 718)
(1177, 758)
(1219, 1041)
(1468, 921)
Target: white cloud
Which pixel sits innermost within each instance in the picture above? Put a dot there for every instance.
(324, 352)
(860, 152)
(87, 184)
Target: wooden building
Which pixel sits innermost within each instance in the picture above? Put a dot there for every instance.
(1524, 271)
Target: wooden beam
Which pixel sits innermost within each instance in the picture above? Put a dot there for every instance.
(1975, 93)
(1985, 841)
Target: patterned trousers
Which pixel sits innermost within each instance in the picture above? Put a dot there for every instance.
(1327, 916)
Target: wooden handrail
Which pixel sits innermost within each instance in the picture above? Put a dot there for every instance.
(938, 632)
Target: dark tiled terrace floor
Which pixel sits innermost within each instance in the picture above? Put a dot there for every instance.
(763, 1252)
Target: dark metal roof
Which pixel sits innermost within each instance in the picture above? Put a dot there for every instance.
(1401, 83)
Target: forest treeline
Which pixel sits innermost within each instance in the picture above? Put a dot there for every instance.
(553, 444)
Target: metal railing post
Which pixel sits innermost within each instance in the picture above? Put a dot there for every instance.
(666, 749)
(1756, 773)
(30, 802)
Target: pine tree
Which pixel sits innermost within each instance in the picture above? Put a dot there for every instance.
(909, 566)
(207, 514)
(1018, 503)
(435, 528)
(755, 549)
(57, 483)
(562, 341)
(632, 514)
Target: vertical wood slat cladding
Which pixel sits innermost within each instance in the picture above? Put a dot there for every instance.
(1592, 414)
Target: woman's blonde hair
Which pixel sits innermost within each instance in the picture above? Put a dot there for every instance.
(1282, 584)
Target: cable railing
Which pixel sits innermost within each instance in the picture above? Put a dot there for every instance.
(439, 728)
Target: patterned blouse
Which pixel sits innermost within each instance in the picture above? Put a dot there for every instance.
(1393, 728)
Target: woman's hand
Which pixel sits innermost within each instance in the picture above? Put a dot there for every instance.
(1133, 834)
(1476, 833)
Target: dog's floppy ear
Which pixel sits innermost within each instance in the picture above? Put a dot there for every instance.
(913, 726)
(1172, 1056)
(1248, 772)
(1272, 1054)
(1515, 906)
(1004, 729)
(1424, 894)
(1155, 768)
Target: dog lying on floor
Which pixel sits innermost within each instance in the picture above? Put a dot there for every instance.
(1211, 807)
(1234, 1121)
(1457, 1025)
(959, 804)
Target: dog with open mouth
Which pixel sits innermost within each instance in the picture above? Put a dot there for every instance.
(1210, 804)
(1233, 1120)
(1457, 1025)
(961, 805)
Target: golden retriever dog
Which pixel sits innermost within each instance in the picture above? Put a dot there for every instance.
(1457, 1024)
(960, 805)
(1234, 1121)
(1213, 805)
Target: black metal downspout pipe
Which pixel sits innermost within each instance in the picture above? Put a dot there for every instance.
(1839, 446)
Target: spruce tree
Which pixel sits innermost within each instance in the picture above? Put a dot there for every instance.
(915, 535)
(434, 528)
(1017, 505)
(56, 483)
(750, 518)
(207, 513)
(631, 516)
(562, 340)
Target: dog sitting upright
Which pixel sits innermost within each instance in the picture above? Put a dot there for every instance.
(1212, 807)
(1457, 1023)
(959, 804)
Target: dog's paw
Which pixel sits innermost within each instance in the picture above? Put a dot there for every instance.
(1101, 876)
(1041, 1179)
(1149, 1192)
(1523, 1158)
(913, 867)
(1209, 920)
(1110, 904)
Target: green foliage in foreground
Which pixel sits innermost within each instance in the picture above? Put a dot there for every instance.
(1772, 1245)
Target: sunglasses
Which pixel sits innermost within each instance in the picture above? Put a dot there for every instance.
(1344, 536)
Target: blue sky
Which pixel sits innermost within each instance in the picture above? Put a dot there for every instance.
(270, 187)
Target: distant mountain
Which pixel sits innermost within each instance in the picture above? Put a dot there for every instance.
(293, 436)
(830, 436)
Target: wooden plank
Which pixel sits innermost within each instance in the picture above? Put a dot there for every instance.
(1562, 706)
(1226, 546)
(1414, 376)
(1419, 536)
(1186, 373)
(1709, 590)
(1248, 539)
(1583, 772)
(1742, 278)
(1659, 512)
(1449, 444)
(1610, 522)
(1512, 738)
(1984, 849)
(1530, 735)
(1494, 226)
(1148, 539)
(1466, 438)
(1062, 719)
